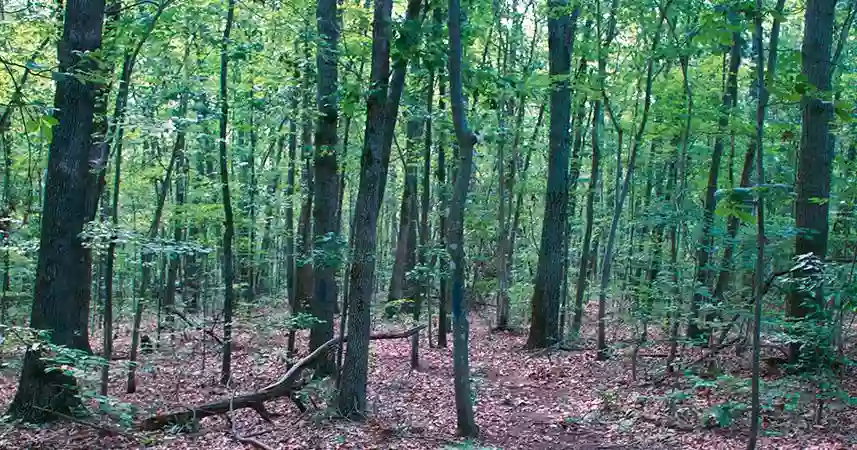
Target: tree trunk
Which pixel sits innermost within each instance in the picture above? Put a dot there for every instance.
(466, 140)
(326, 183)
(229, 226)
(758, 285)
(294, 305)
(409, 38)
(544, 327)
(352, 394)
(595, 172)
(443, 195)
(812, 184)
(400, 287)
(62, 288)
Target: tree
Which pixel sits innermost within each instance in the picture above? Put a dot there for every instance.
(226, 198)
(62, 291)
(812, 184)
(544, 328)
(352, 394)
(326, 179)
(455, 233)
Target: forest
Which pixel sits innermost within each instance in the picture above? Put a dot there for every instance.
(428, 224)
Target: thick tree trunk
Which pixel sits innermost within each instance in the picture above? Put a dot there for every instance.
(62, 291)
(326, 183)
(812, 184)
(544, 327)
(352, 394)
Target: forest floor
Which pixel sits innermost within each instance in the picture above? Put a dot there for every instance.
(524, 400)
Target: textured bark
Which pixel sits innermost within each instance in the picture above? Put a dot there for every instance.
(62, 288)
(814, 162)
(326, 183)
(352, 394)
(544, 327)
(455, 241)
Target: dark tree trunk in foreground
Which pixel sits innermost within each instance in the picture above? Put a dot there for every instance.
(455, 245)
(814, 163)
(326, 184)
(62, 291)
(228, 222)
(544, 328)
(352, 394)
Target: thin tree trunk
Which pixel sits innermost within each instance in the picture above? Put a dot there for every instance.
(758, 285)
(118, 118)
(466, 140)
(697, 325)
(622, 193)
(443, 300)
(294, 305)
(595, 173)
(229, 227)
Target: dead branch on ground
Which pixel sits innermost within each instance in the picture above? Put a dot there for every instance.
(287, 385)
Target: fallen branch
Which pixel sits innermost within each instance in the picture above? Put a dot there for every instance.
(285, 386)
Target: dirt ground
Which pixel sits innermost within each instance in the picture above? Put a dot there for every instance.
(524, 400)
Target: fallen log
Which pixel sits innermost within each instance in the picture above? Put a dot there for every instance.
(287, 385)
